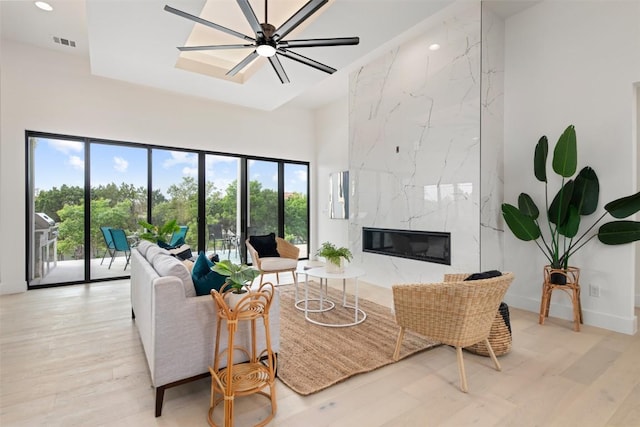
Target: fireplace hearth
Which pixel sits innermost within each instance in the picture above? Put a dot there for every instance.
(429, 246)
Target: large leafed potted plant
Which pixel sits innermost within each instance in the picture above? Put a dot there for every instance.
(576, 198)
(335, 256)
(159, 233)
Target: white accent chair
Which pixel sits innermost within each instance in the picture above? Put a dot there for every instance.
(286, 262)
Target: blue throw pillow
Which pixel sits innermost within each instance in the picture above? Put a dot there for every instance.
(204, 279)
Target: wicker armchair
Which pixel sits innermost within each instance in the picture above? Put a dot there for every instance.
(287, 262)
(456, 313)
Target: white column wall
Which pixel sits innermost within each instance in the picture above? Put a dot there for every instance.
(492, 142)
(332, 155)
(574, 63)
(52, 92)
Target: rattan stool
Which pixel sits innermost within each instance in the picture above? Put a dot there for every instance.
(571, 277)
(253, 376)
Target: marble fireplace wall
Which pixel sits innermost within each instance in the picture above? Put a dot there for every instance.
(414, 149)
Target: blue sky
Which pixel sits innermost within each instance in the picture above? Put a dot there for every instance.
(62, 162)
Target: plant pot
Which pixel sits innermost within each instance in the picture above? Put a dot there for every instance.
(233, 298)
(561, 276)
(334, 268)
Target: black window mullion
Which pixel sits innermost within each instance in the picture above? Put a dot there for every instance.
(87, 210)
(281, 199)
(244, 207)
(202, 207)
(149, 183)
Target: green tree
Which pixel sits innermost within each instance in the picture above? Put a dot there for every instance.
(295, 218)
(71, 230)
(181, 205)
(51, 201)
(263, 209)
(71, 226)
(224, 208)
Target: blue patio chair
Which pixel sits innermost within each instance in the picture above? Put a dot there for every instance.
(182, 233)
(121, 244)
(108, 241)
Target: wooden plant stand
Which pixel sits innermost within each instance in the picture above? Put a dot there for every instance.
(571, 288)
(258, 373)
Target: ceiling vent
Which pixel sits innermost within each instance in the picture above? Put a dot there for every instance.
(65, 42)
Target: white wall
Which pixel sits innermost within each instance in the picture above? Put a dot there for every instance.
(47, 91)
(332, 155)
(574, 63)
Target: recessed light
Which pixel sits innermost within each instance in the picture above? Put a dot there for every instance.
(44, 6)
(434, 46)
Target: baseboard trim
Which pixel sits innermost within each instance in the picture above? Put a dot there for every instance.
(623, 325)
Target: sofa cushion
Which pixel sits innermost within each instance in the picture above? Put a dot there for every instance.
(143, 246)
(266, 246)
(205, 279)
(188, 263)
(275, 264)
(166, 265)
(484, 275)
(153, 251)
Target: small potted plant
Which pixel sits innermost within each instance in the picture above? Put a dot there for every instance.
(239, 276)
(335, 257)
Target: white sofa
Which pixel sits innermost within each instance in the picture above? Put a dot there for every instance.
(177, 327)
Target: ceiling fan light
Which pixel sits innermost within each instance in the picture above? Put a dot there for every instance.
(266, 50)
(44, 5)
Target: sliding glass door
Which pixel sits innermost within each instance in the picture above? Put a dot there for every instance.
(296, 206)
(174, 180)
(56, 219)
(82, 192)
(222, 206)
(118, 201)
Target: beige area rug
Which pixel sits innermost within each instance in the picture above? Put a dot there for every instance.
(312, 357)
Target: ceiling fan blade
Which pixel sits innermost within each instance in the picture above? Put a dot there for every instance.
(341, 41)
(297, 18)
(251, 17)
(306, 61)
(277, 66)
(246, 61)
(215, 47)
(208, 23)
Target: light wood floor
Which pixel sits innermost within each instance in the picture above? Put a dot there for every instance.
(71, 357)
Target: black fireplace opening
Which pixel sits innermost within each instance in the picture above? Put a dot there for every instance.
(430, 246)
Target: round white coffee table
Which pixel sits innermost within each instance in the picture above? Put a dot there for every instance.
(322, 274)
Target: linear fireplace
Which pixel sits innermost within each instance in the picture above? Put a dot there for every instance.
(430, 246)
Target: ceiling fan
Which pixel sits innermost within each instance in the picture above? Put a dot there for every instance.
(268, 40)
